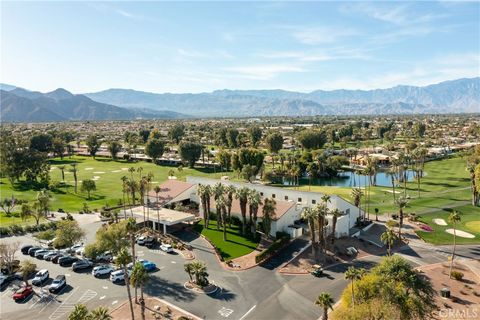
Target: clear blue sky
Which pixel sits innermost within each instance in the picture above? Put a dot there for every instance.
(204, 46)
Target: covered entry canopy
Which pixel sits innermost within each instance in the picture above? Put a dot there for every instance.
(166, 217)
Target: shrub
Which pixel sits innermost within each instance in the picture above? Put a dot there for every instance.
(5, 231)
(16, 229)
(457, 275)
(236, 221)
(281, 234)
(45, 235)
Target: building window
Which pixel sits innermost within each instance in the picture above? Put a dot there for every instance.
(273, 195)
(261, 194)
(314, 201)
(286, 198)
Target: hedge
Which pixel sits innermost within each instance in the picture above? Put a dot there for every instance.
(272, 249)
(19, 230)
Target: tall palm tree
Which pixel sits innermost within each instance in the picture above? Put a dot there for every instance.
(269, 208)
(142, 187)
(124, 191)
(62, 169)
(321, 210)
(74, 170)
(132, 188)
(131, 230)
(157, 190)
(189, 270)
(454, 218)
(199, 270)
(123, 259)
(402, 202)
(309, 215)
(353, 274)
(203, 203)
(325, 301)
(140, 278)
(230, 191)
(357, 195)
(388, 238)
(208, 195)
(217, 190)
(336, 213)
(242, 196)
(222, 215)
(149, 178)
(255, 201)
(100, 313)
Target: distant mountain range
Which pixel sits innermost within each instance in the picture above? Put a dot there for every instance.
(456, 96)
(20, 105)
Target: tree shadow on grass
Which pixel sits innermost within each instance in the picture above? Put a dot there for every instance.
(57, 162)
(163, 288)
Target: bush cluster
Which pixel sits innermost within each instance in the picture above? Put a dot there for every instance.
(14, 229)
(272, 249)
(457, 275)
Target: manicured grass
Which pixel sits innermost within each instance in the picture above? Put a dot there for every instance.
(109, 185)
(470, 222)
(8, 221)
(236, 244)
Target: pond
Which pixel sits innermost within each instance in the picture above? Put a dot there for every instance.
(350, 179)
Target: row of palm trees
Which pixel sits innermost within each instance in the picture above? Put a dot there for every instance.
(316, 218)
(250, 199)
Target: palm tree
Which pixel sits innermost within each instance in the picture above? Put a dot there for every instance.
(189, 270)
(131, 230)
(269, 208)
(325, 301)
(123, 259)
(221, 215)
(140, 279)
(142, 188)
(388, 238)
(336, 213)
(149, 187)
(203, 203)
(401, 203)
(321, 211)
(208, 195)
(353, 274)
(157, 190)
(132, 187)
(309, 215)
(79, 312)
(100, 313)
(255, 200)
(124, 191)
(230, 191)
(217, 190)
(199, 270)
(454, 218)
(242, 196)
(74, 170)
(357, 195)
(62, 169)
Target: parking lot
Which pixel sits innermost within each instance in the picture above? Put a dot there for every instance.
(82, 287)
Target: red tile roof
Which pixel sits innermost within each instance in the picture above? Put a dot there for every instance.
(170, 189)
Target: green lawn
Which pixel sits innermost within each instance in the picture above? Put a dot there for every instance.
(235, 246)
(470, 221)
(8, 221)
(109, 187)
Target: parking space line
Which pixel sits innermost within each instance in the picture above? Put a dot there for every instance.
(63, 308)
(248, 312)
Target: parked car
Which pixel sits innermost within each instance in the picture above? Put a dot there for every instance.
(150, 242)
(40, 277)
(317, 271)
(141, 240)
(74, 248)
(4, 279)
(105, 257)
(67, 261)
(22, 293)
(118, 276)
(39, 254)
(80, 252)
(32, 250)
(56, 258)
(102, 270)
(149, 266)
(25, 248)
(351, 251)
(50, 256)
(166, 247)
(58, 283)
(82, 264)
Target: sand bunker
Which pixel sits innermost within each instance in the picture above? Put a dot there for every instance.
(115, 171)
(461, 233)
(391, 191)
(440, 222)
(99, 172)
(96, 177)
(88, 168)
(124, 169)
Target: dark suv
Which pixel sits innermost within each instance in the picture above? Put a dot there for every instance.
(57, 284)
(67, 261)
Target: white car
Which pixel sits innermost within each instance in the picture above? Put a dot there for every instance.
(102, 270)
(106, 256)
(40, 277)
(118, 276)
(166, 247)
(76, 247)
(141, 240)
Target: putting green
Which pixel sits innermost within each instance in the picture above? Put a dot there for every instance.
(473, 225)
